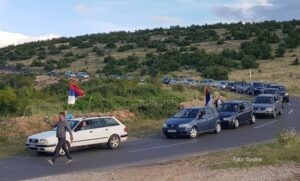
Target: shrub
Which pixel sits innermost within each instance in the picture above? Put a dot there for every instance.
(296, 62)
(157, 109)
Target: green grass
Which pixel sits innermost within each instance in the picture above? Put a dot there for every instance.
(284, 149)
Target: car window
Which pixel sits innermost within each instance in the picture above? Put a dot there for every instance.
(229, 108)
(209, 113)
(246, 105)
(111, 122)
(263, 100)
(242, 107)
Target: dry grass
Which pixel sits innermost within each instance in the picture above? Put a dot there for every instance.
(278, 70)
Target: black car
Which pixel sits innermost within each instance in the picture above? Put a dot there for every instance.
(256, 88)
(231, 86)
(234, 113)
(282, 91)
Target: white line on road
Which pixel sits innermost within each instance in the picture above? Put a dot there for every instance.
(164, 146)
(265, 124)
(289, 104)
(290, 112)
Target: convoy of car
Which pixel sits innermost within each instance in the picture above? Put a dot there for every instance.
(188, 122)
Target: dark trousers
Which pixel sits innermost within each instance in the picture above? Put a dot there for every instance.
(61, 145)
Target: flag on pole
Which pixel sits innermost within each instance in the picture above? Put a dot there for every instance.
(74, 93)
(208, 98)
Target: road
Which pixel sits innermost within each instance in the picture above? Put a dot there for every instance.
(153, 148)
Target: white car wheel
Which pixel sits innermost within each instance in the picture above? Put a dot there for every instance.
(236, 124)
(113, 142)
(253, 119)
(218, 128)
(193, 132)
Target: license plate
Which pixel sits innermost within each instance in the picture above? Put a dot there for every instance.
(32, 145)
(172, 131)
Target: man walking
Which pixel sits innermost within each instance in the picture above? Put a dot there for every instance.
(61, 128)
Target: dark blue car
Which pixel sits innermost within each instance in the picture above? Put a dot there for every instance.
(232, 114)
(191, 122)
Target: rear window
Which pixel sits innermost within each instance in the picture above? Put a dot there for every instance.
(263, 100)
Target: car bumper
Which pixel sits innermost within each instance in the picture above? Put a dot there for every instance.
(176, 132)
(226, 122)
(41, 148)
(262, 113)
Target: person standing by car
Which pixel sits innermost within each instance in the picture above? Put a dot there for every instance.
(61, 128)
(218, 102)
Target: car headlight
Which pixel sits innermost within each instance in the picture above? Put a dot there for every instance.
(43, 141)
(228, 118)
(286, 94)
(269, 109)
(184, 126)
(164, 125)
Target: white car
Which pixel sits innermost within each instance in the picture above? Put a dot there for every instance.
(86, 131)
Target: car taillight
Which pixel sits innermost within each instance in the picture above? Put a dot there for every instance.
(125, 129)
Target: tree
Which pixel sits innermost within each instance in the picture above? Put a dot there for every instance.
(216, 73)
(249, 62)
(296, 62)
(280, 51)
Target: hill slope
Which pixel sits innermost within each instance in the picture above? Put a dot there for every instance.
(212, 50)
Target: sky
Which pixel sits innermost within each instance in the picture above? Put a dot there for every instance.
(31, 20)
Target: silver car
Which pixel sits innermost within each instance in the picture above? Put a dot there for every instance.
(267, 104)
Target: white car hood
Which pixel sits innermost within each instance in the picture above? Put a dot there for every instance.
(44, 135)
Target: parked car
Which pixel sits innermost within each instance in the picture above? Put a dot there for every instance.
(256, 88)
(231, 86)
(83, 75)
(267, 104)
(70, 74)
(243, 88)
(87, 131)
(234, 113)
(282, 91)
(222, 85)
(52, 74)
(192, 121)
(273, 91)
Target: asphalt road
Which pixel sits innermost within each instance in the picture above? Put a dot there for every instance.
(153, 148)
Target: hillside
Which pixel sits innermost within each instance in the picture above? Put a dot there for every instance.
(209, 50)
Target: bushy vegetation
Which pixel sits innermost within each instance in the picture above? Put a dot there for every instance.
(18, 96)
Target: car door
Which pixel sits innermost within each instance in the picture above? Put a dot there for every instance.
(112, 127)
(211, 119)
(202, 122)
(83, 136)
(248, 110)
(277, 103)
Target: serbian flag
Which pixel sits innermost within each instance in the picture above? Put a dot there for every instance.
(208, 99)
(74, 93)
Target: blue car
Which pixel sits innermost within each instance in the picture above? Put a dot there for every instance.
(191, 122)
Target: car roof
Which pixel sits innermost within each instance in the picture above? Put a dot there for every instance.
(271, 89)
(235, 102)
(265, 95)
(92, 117)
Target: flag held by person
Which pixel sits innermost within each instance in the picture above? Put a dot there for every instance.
(74, 93)
(208, 98)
